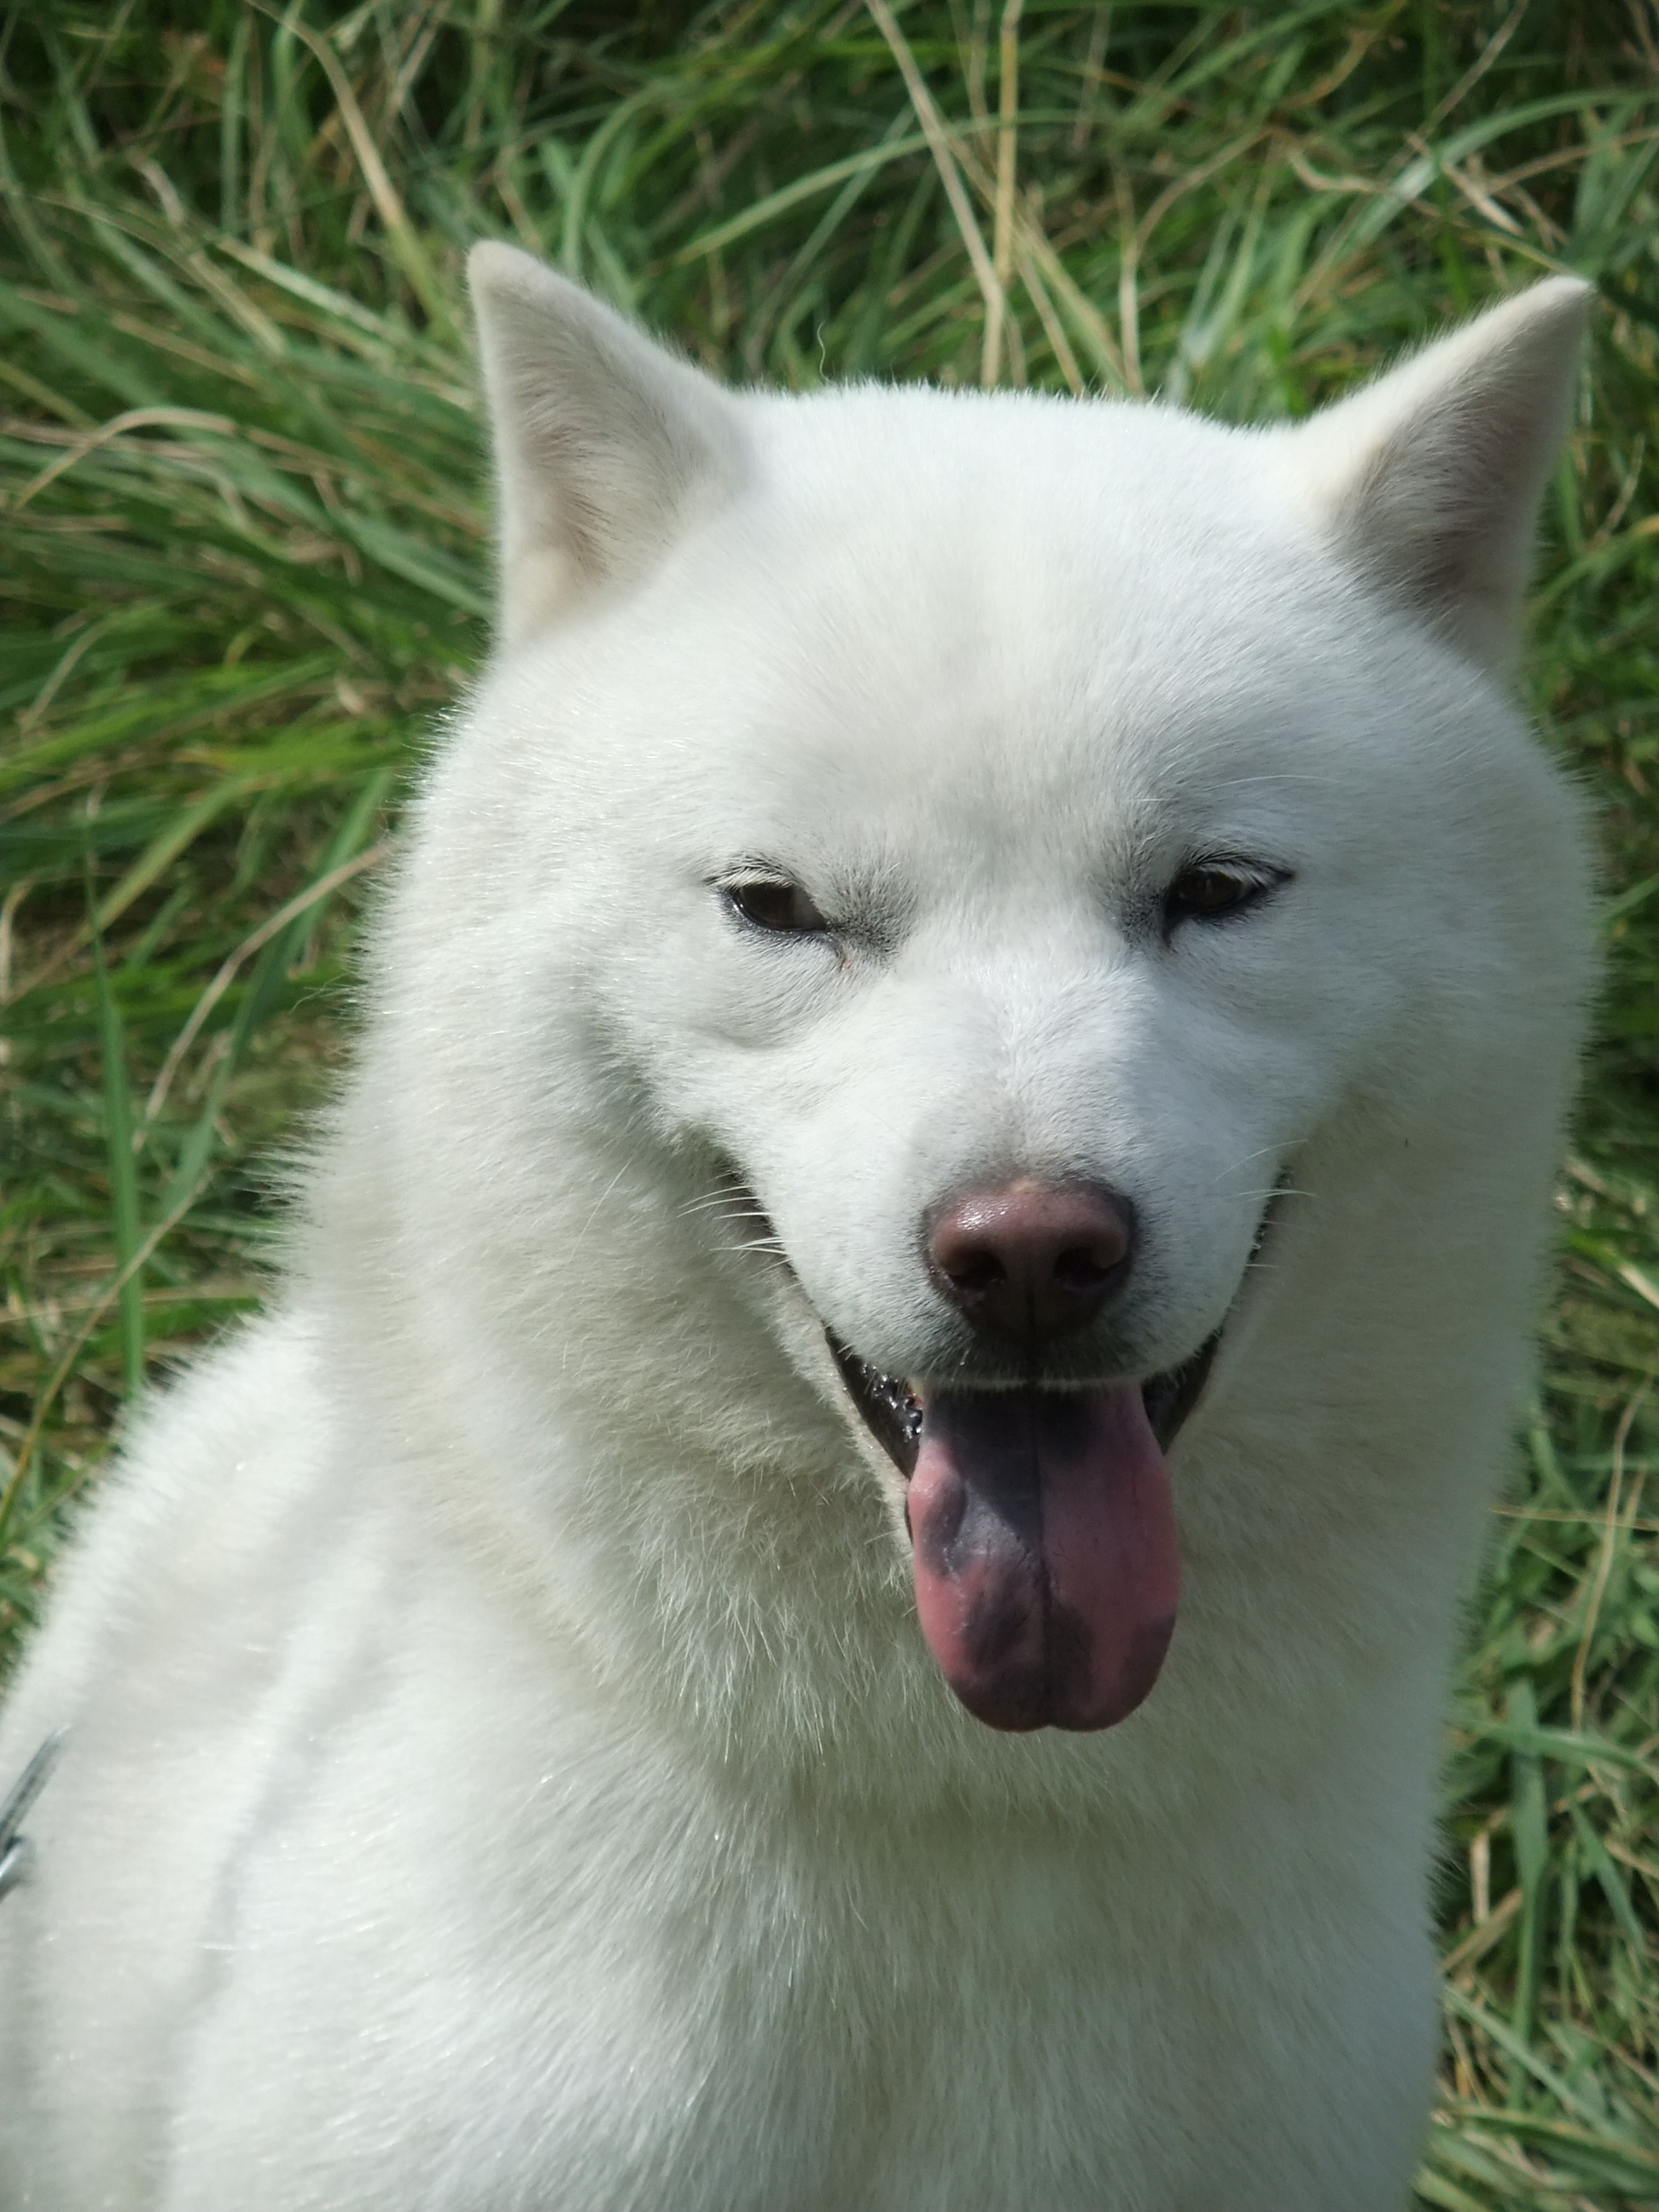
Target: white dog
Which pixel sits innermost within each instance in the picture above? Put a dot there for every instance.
(831, 1590)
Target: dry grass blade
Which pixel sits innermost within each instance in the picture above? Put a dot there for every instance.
(406, 244)
(940, 146)
(301, 902)
(1002, 248)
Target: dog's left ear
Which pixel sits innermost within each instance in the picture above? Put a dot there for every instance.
(1430, 478)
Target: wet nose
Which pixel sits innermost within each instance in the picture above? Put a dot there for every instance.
(1031, 1260)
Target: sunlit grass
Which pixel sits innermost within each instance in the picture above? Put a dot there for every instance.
(245, 566)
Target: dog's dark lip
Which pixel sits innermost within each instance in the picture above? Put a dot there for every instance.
(1170, 1397)
(887, 1406)
(891, 1412)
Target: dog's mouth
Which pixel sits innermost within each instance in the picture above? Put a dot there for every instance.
(1042, 1534)
(892, 1411)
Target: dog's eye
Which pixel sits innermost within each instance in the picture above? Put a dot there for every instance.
(1210, 890)
(774, 903)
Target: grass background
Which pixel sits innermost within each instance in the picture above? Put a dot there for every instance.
(243, 562)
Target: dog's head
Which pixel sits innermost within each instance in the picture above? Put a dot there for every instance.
(990, 840)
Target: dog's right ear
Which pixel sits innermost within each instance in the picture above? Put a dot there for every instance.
(606, 447)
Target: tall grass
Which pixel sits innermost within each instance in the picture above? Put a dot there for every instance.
(245, 567)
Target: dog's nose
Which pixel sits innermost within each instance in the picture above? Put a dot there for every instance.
(1031, 1260)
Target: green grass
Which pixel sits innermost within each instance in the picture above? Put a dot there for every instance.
(245, 566)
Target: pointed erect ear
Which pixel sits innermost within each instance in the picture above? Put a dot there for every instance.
(606, 447)
(1430, 479)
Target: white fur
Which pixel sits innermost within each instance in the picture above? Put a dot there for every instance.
(506, 1771)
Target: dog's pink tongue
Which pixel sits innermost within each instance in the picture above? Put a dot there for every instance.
(1046, 1564)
